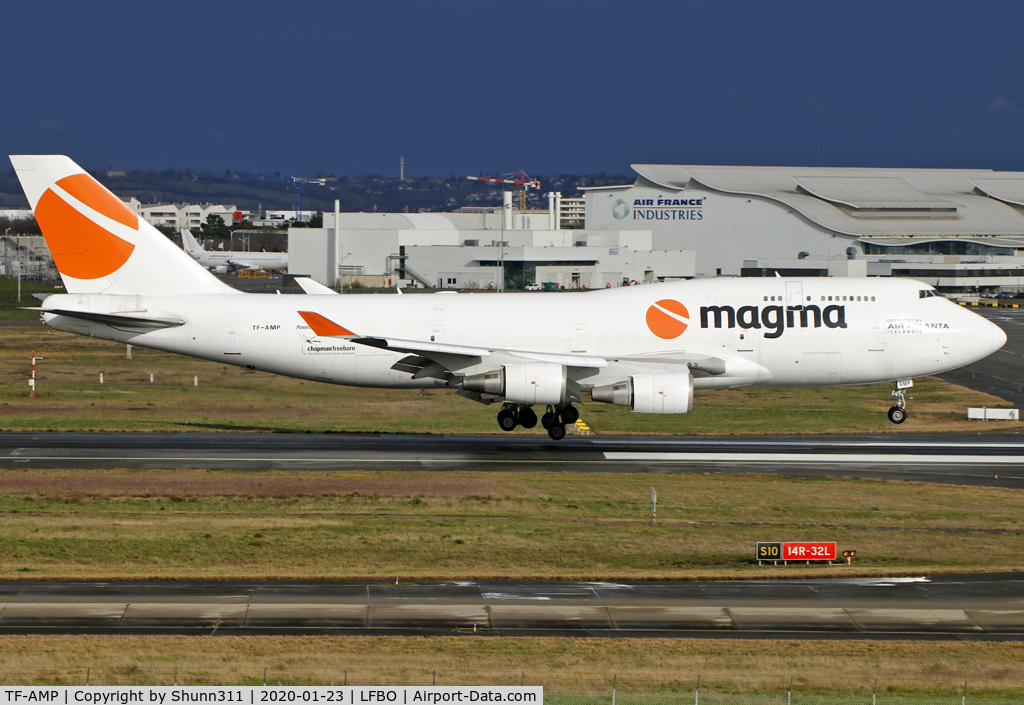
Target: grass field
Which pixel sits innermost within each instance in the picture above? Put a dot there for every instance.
(120, 524)
(10, 310)
(182, 524)
(70, 397)
(560, 665)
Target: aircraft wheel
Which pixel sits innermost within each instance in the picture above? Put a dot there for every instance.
(557, 432)
(548, 420)
(570, 414)
(527, 418)
(897, 415)
(507, 421)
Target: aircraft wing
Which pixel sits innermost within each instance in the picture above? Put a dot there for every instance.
(448, 356)
(431, 358)
(439, 360)
(241, 264)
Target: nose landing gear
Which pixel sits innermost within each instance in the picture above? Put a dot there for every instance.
(898, 413)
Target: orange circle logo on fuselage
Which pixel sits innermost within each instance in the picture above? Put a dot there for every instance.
(668, 319)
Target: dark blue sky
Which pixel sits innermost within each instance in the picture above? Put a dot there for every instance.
(549, 87)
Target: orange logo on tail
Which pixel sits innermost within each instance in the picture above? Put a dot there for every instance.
(668, 319)
(81, 248)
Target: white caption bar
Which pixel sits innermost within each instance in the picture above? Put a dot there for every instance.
(267, 695)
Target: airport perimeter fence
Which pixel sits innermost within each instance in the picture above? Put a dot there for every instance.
(563, 689)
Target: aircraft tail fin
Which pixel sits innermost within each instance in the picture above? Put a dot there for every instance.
(100, 245)
(189, 242)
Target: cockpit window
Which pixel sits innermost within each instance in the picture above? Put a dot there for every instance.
(928, 293)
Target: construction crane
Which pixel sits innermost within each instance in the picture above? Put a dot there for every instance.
(516, 178)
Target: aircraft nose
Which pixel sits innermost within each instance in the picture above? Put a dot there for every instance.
(998, 337)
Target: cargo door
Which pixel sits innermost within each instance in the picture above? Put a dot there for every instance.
(323, 366)
(876, 336)
(231, 339)
(822, 368)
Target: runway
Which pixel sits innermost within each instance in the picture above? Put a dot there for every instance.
(1002, 373)
(996, 460)
(978, 607)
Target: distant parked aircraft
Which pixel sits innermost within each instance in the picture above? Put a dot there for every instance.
(643, 347)
(225, 262)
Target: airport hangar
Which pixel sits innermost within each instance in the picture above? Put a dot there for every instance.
(469, 249)
(961, 230)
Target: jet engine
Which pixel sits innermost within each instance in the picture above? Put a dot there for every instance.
(222, 269)
(529, 383)
(656, 393)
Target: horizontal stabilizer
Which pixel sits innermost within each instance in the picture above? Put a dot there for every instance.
(114, 319)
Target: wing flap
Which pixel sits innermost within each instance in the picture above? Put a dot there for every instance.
(567, 360)
(422, 348)
(702, 363)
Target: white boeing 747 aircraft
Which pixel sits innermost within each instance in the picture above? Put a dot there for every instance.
(644, 347)
(225, 262)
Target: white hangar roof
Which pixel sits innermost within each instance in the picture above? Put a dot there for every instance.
(877, 205)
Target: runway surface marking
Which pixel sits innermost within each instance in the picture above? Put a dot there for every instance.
(813, 458)
(985, 607)
(812, 441)
(299, 456)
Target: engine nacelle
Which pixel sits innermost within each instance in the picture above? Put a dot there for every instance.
(656, 393)
(529, 383)
(222, 269)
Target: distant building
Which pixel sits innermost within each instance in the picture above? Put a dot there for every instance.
(959, 229)
(184, 215)
(278, 219)
(474, 250)
(16, 213)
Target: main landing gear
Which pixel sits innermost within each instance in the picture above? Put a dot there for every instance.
(554, 419)
(512, 415)
(898, 413)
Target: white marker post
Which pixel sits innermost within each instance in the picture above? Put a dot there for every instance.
(32, 381)
(654, 505)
